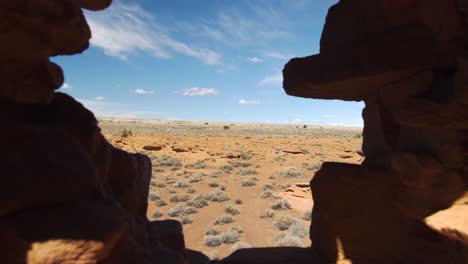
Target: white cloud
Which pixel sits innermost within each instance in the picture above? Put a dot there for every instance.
(249, 102)
(248, 24)
(255, 60)
(124, 29)
(278, 55)
(67, 86)
(113, 109)
(142, 91)
(197, 91)
(294, 121)
(272, 80)
(99, 98)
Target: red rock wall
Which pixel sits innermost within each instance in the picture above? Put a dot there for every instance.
(66, 194)
(407, 60)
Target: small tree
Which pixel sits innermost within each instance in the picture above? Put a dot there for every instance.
(126, 133)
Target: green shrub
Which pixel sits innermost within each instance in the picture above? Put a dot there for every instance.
(290, 173)
(284, 223)
(213, 241)
(181, 211)
(178, 199)
(160, 203)
(222, 220)
(265, 194)
(248, 183)
(157, 214)
(212, 231)
(196, 179)
(198, 201)
(213, 184)
(217, 196)
(230, 237)
(281, 205)
(181, 184)
(197, 165)
(307, 215)
(226, 127)
(268, 213)
(126, 133)
(186, 220)
(289, 241)
(232, 210)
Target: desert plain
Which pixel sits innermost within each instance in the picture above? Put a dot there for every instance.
(237, 185)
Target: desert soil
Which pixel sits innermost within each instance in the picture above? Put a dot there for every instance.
(261, 168)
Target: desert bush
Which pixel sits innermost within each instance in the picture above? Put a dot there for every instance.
(172, 191)
(178, 198)
(191, 190)
(181, 184)
(278, 159)
(297, 229)
(226, 168)
(236, 228)
(197, 165)
(281, 205)
(289, 241)
(158, 169)
(160, 185)
(284, 222)
(222, 220)
(238, 201)
(126, 133)
(268, 213)
(245, 156)
(212, 231)
(198, 201)
(315, 166)
(232, 210)
(267, 187)
(196, 179)
(213, 184)
(248, 183)
(265, 194)
(153, 196)
(213, 241)
(307, 215)
(243, 172)
(181, 210)
(226, 127)
(160, 203)
(186, 220)
(168, 161)
(157, 214)
(238, 164)
(240, 245)
(290, 173)
(285, 186)
(230, 237)
(217, 196)
(215, 174)
(223, 187)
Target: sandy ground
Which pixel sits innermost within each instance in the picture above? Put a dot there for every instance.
(280, 159)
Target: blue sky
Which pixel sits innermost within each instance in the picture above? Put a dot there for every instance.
(205, 60)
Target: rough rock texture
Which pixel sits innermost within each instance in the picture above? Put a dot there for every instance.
(66, 194)
(408, 61)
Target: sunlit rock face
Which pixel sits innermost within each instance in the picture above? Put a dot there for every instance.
(66, 194)
(407, 60)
